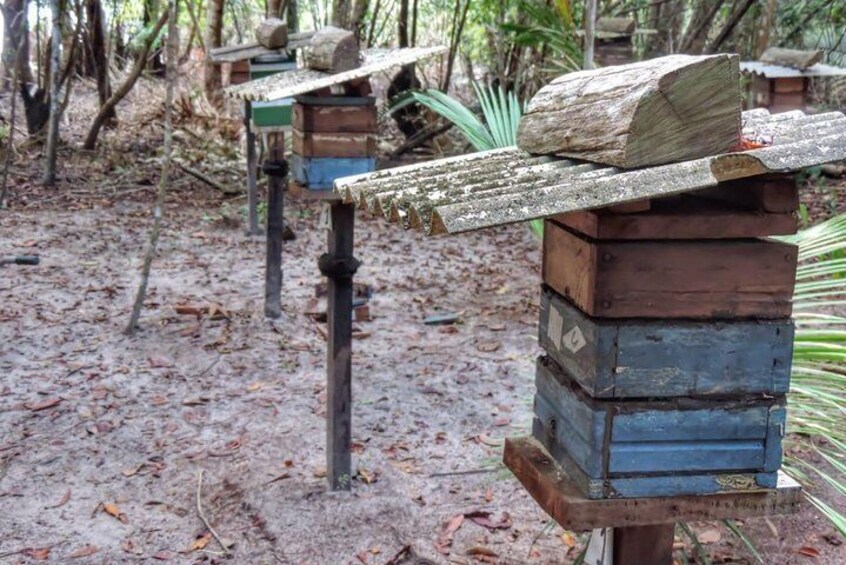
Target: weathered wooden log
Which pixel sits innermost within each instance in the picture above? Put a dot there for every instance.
(616, 25)
(793, 58)
(661, 111)
(333, 50)
(272, 33)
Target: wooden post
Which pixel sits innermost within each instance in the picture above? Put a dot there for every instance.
(339, 265)
(644, 544)
(252, 172)
(276, 169)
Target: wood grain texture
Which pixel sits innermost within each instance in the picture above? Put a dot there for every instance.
(652, 358)
(654, 112)
(555, 492)
(333, 50)
(639, 545)
(657, 447)
(776, 194)
(680, 217)
(311, 144)
(272, 33)
(793, 58)
(339, 353)
(335, 119)
(715, 279)
(318, 173)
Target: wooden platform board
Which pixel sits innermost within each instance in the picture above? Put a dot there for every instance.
(544, 479)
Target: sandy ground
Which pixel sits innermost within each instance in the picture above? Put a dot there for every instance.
(102, 436)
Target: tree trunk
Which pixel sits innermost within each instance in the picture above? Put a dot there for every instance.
(734, 19)
(151, 8)
(214, 39)
(402, 24)
(123, 90)
(589, 25)
(15, 43)
(55, 103)
(274, 9)
(158, 212)
(99, 53)
(764, 27)
(341, 13)
(291, 16)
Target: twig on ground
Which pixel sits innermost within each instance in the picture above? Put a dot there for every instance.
(202, 515)
(470, 472)
(204, 178)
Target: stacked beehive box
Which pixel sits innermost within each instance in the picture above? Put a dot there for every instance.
(668, 342)
(333, 136)
(666, 323)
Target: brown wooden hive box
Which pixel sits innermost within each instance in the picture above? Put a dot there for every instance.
(335, 119)
(716, 279)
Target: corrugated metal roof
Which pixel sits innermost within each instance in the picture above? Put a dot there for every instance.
(503, 186)
(235, 53)
(302, 81)
(768, 70)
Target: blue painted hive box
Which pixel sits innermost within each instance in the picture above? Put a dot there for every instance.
(650, 358)
(658, 447)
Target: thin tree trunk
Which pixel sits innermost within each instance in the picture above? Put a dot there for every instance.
(459, 18)
(10, 147)
(158, 212)
(292, 17)
(195, 24)
(15, 41)
(123, 90)
(589, 26)
(727, 30)
(402, 23)
(99, 53)
(55, 103)
(214, 38)
(341, 13)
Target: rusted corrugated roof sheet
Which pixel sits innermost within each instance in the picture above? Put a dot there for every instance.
(302, 81)
(235, 53)
(498, 187)
(768, 70)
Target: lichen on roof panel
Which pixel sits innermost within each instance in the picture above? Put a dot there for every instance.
(503, 186)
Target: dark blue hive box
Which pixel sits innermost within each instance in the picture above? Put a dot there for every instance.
(663, 358)
(663, 447)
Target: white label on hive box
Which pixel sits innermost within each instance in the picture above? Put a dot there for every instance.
(555, 327)
(574, 340)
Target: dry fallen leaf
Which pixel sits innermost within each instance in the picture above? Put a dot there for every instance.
(114, 511)
(39, 406)
(39, 554)
(709, 536)
(86, 551)
(484, 519)
(569, 539)
(444, 541)
(255, 387)
(809, 551)
(64, 500)
(481, 551)
(201, 542)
